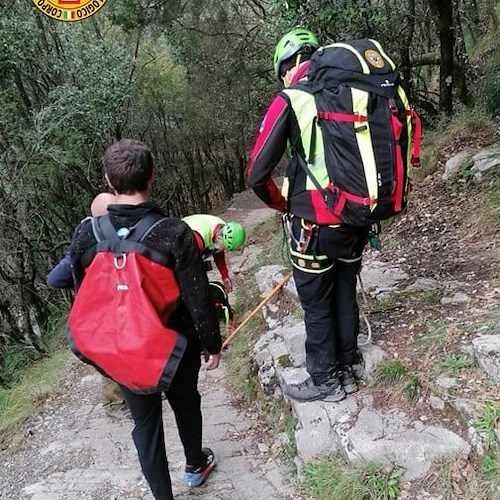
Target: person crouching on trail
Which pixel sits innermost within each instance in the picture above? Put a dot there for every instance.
(213, 235)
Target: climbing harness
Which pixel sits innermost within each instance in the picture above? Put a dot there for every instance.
(302, 247)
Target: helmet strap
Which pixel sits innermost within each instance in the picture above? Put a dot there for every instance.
(297, 61)
(288, 76)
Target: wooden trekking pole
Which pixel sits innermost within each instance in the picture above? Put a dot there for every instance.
(262, 303)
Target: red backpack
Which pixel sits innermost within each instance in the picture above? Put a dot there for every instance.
(117, 322)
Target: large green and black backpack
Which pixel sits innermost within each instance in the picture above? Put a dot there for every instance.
(371, 134)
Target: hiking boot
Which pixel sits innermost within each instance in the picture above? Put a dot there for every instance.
(330, 391)
(348, 381)
(196, 476)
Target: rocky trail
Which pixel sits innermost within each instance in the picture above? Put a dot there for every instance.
(431, 301)
(430, 297)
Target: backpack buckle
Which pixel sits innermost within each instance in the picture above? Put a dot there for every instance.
(120, 260)
(333, 188)
(393, 107)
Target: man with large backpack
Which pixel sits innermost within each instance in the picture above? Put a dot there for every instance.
(143, 313)
(346, 122)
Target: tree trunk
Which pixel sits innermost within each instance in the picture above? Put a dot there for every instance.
(405, 49)
(444, 10)
(462, 66)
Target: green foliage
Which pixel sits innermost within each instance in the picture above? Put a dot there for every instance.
(490, 466)
(276, 254)
(67, 91)
(29, 377)
(18, 356)
(238, 357)
(297, 312)
(285, 361)
(342, 20)
(240, 369)
(286, 423)
(489, 92)
(332, 479)
(489, 213)
(15, 359)
(22, 399)
(390, 373)
(488, 477)
(488, 422)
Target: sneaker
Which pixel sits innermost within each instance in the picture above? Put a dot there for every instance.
(306, 390)
(196, 476)
(348, 381)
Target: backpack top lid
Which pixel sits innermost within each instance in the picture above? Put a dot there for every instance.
(359, 63)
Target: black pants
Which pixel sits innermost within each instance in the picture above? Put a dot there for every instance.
(148, 435)
(331, 313)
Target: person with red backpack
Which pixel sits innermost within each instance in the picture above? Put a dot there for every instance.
(143, 313)
(339, 105)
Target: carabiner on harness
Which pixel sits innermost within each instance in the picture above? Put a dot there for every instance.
(306, 231)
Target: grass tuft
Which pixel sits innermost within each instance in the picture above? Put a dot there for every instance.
(416, 298)
(332, 479)
(399, 379)
(22, 400)
(456, 363)
(459, 130)
(435, 336)
(30, 377)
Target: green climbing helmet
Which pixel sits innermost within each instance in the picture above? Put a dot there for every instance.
(233, 235)
(296, 40)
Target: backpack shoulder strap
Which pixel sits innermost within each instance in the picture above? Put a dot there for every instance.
(108, 240)
(299, 158)
(140, 230)
(103, 228)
